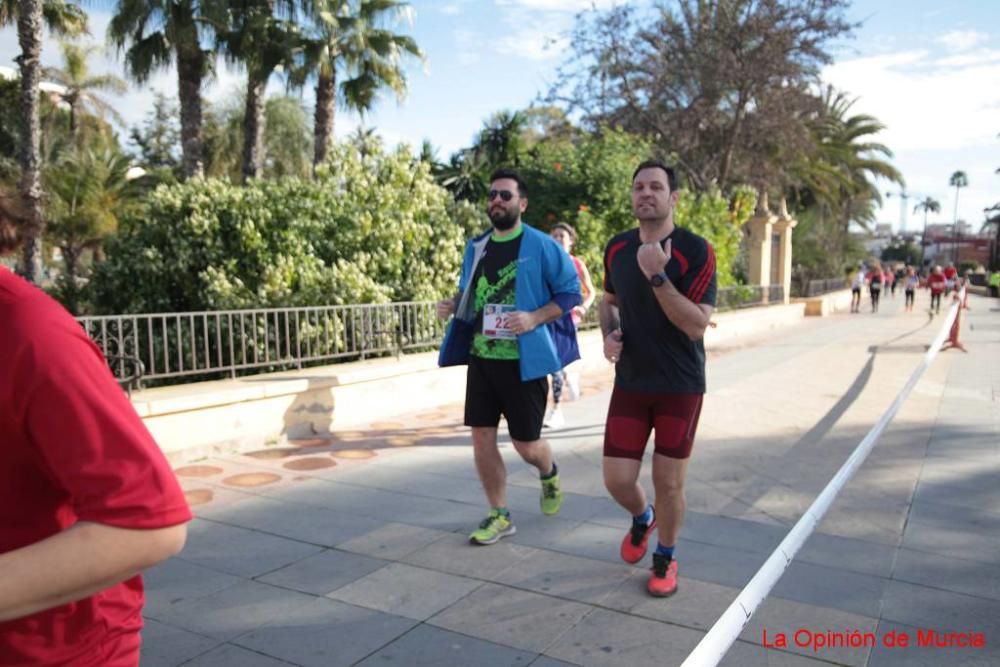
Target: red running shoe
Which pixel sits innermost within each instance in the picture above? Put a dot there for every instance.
(663, 579)
(634, 545)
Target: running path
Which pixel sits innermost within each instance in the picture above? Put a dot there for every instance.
(353, 550)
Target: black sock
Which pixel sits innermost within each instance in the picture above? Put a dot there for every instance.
(553, 473)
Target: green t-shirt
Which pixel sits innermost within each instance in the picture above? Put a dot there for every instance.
(494, 283)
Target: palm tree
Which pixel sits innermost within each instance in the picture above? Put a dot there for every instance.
(501, 138)
(465, 176)
(928, 205)
(348, 40)
(88, 190)
(262, 36)
(958, 180)
(287, 138)
(62, 18)
(855, 160)
(75, 77)
(152, 33)
(365, 140)
(838, 179)
(30, 15)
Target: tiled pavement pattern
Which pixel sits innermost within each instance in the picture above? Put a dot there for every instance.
(353, 551)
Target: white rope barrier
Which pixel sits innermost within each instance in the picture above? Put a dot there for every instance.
(714, 645)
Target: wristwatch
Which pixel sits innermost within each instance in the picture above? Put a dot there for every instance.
(658, 279)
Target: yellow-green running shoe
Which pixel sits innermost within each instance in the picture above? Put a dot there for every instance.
(492, 528)
(552, 496)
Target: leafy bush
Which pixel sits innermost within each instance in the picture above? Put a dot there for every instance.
(367, 229)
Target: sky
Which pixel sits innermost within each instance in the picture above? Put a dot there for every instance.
(930, 73)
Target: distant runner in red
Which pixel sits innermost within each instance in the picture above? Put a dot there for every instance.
(950, 278)
(87, 499)
(875, 281)
(936, 283)
(659, 294)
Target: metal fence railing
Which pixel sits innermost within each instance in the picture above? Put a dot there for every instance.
(167, 348)
(212, 344)
(819, 286)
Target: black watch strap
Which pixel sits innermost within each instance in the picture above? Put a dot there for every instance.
(658, 279)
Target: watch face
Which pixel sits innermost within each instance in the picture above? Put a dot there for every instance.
(657, 280)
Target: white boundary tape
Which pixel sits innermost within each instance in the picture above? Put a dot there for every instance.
(714, 645)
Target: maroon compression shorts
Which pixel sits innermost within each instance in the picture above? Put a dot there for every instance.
(633, 414)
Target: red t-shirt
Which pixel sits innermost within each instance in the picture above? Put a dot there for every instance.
(72, 449)
(950, 273)
(936, 282)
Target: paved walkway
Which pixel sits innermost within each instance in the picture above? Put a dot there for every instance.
(353, 550)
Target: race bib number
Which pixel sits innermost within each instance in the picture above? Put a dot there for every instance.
(496, 324)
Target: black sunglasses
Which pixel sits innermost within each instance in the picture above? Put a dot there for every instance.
(505, 195)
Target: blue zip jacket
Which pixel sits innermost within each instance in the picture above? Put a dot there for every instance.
(544, 273)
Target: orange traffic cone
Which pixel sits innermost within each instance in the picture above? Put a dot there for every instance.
(956, 326)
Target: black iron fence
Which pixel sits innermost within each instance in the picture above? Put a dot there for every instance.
(171, 348)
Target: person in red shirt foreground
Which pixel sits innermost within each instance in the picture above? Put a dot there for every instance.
(87, 499)
(936, 283)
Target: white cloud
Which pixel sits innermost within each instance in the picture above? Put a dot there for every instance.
(940, 115)
(557, 5)
(962, 40)
(533, 44)
(451, 9)
(979, 57)
(925, 103)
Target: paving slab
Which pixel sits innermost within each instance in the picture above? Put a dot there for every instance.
(325, 633)
(166, 646)
(404, 590)
(177, 581)
(455, 555)
(240, 551)
(427, 646)
(393, 541)
(312, 525)
(511, 617)
(324, 572)
(567, 577)
(916, 655)
(606, 638)
(932, 608)
(236, 610)
(229, 655)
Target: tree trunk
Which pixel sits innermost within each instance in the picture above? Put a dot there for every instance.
(190, 67)
(73, 123)
(253, 129)
(730, 148)
(326, 89)
(71, 260)
(29, 35)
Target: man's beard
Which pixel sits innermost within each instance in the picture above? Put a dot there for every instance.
(504, 220)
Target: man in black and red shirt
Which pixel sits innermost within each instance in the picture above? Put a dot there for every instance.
(659, 293)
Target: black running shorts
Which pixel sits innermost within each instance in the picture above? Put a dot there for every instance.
(494, 387)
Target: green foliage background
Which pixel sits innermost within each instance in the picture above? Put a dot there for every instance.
(587, 184)
(378, 229)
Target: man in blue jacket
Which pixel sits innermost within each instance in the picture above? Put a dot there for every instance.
(515, 280)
